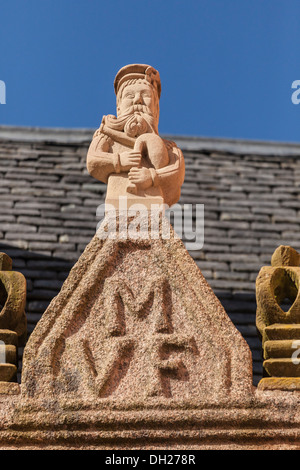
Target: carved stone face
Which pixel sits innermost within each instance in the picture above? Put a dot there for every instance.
(136, 96)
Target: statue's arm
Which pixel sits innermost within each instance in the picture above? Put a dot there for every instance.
(100, 162)
(171, 177)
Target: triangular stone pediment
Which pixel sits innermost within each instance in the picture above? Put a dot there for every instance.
(136, 322)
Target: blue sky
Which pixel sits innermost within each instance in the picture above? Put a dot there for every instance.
(226, 66)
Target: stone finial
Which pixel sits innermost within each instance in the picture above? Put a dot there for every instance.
(285, 256)
(12, 323)
(278, 319)
(127, 152)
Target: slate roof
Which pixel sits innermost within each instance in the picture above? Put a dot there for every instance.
(48, 212)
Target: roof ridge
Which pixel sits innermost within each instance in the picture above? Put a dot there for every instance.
(188, 143)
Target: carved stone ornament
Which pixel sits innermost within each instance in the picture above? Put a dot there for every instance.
(279, 326)
(12, 323)
(135, 323)
(127, 153)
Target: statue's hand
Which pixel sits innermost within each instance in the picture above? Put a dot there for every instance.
(141, 177)
(131, 159)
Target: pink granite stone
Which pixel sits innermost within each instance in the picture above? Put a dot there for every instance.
(136, 324)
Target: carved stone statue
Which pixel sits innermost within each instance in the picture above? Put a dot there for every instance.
(127, 153)
(136, 324)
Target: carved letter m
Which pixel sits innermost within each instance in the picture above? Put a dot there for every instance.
(154, 295)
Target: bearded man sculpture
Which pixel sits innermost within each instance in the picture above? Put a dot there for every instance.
(135, 326)
(127, 153)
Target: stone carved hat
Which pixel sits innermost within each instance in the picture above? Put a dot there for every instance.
(142, 71)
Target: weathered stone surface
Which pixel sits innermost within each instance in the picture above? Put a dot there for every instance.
(280, 329)
(285, 256)
(9, 337)
(136, 324)
(7, 372)
(13, 300)
(288, 384)
(278, 349)
(9, 388)
(13, 325)
(5, 262)
(265, 420)
(282, 367)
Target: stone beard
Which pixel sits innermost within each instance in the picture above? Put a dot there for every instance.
(137, 121)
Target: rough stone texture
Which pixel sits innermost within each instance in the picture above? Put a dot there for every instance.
(135, 322)
(5, 262)
(10, 388)
(285, 256)
(7, 372)
(12, 301)
(277, 326)
(13, 324)
(288, 384)
(257, 420)
(48, 212)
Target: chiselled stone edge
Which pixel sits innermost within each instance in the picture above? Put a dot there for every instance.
(258, 425)
(280, 383)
